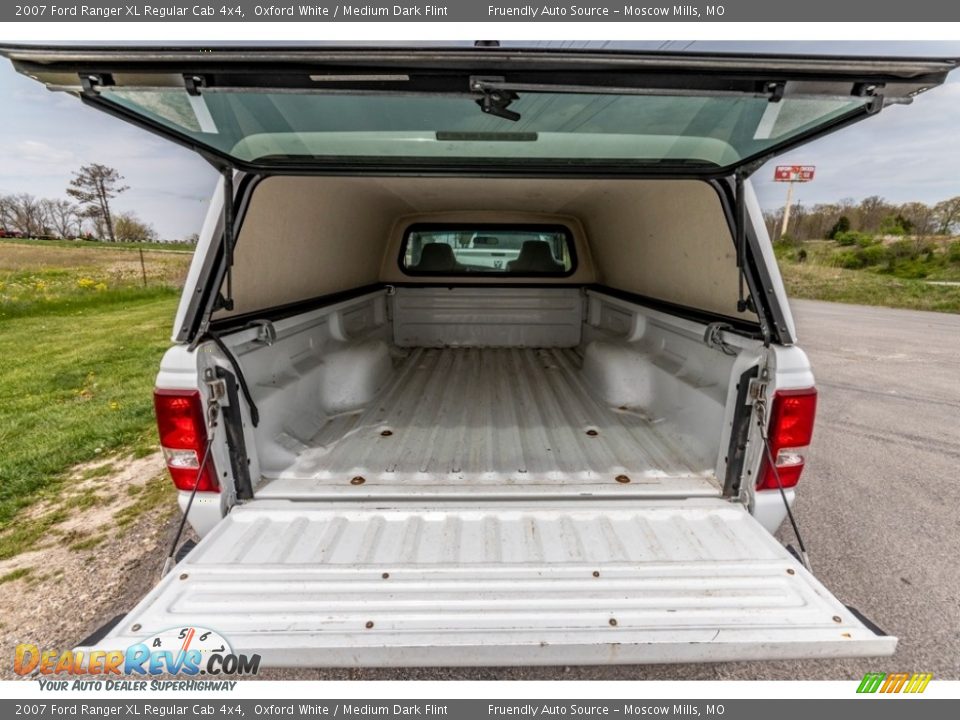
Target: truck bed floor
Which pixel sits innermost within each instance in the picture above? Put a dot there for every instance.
(490, 422)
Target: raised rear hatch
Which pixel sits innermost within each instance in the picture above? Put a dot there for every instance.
(480, 108)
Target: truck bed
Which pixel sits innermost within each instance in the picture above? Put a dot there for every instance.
(490, 422)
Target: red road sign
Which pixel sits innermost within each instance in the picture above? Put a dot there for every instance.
(794, 173)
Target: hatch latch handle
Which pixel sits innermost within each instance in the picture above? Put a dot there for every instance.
(494, 100)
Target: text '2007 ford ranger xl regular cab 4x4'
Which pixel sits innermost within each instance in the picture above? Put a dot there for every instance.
(484, 357)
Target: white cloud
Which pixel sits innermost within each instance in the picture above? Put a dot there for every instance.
(36, 151)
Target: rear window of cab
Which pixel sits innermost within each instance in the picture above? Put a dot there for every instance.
(488, 250)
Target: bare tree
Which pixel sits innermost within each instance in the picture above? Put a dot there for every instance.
(94, 186)
(772, 219)
(947, 214)
(871, 212)
(6, 212)
(920, 216)
(26, 215)
(62, 217)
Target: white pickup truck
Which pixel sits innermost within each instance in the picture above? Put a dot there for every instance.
(397, 455)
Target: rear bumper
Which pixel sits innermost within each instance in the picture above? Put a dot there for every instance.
(768, 508)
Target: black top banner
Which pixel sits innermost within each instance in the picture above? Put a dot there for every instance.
(482, 11)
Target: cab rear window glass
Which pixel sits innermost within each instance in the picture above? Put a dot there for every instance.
(492, 250)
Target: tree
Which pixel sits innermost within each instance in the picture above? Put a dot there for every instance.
(896, 225)
(62, 218)
(872, 211)
(947, 214)
(94, 186)
(129, 228)
(842, 225)
(25, 215)
(6, 212)
(920, 217)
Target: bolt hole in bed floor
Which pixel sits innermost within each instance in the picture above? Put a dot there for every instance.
(491, 422)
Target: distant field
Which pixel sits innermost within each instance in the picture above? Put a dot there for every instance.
(97, 245)
(815, 282)
(81, 339)
(912, 274)
(42, 276)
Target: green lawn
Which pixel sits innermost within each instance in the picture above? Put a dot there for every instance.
(81, 339)
(76, 386)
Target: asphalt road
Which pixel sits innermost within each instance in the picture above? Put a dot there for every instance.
(879, 503)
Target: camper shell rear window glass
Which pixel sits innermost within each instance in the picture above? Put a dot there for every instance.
(488, 250)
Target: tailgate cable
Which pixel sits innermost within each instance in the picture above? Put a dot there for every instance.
(760, 403)
(214, 410)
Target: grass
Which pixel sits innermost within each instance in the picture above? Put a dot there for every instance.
(58, 281)
(15, 575)
(157, 493)
(75, 387)
(893, 274)
(81, 341)
(98, 245)
(816, 282)
(24, 534)
(88, 543)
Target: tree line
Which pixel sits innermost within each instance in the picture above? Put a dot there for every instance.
(872, 215)
(88, 214)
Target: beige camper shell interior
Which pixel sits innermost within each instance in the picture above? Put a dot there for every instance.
(486, 386)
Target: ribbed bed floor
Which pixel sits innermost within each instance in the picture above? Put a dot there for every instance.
(490, 421)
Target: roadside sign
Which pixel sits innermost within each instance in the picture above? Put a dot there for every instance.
(794, 173)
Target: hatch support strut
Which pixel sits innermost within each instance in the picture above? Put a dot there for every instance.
(747, 291)
(226, 300)
(741, 242)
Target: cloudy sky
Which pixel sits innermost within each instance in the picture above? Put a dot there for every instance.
(906, 153)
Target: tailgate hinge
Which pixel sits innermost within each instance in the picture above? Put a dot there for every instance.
(757, 391)
(216, 392)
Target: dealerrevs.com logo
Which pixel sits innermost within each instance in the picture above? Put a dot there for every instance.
(189, 651)
(894, 683)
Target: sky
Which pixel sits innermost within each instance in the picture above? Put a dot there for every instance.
(906, 153)
(47, 135)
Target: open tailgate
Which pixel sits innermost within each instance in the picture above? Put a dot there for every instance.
(575, 582)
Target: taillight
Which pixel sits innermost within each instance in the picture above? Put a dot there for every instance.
(183, 438)
(791, 427)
